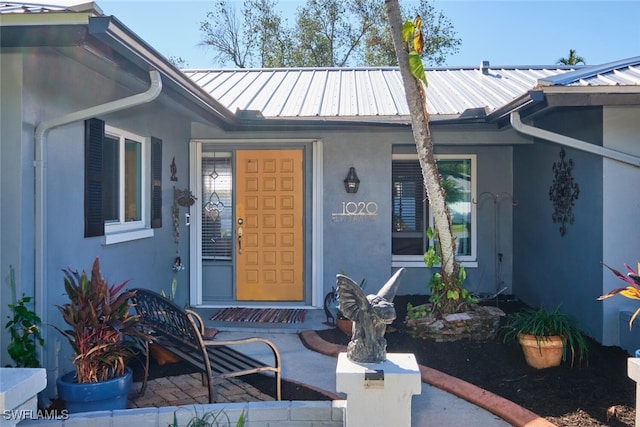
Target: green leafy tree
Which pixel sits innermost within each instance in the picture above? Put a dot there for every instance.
(326, 33)
(332, 32)
(572, 59)
(440, 38)
(273, 41)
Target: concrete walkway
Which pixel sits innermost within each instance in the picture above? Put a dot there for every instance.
(433, 407)
(444, 401)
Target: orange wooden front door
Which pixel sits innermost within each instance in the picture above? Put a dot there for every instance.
(269, 214)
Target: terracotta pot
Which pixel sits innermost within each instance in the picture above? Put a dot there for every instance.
(161, 355)
(542, 354)
(345, 325)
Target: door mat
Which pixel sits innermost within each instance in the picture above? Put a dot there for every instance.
(260, 315)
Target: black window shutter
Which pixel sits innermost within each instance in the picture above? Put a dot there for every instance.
(93, 141)
(156, 182)
(408, 196)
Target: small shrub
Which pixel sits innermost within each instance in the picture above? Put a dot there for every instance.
(210, 419)
(24, 330)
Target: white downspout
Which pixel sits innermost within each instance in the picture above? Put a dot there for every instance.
(517, 124)
(40, 165)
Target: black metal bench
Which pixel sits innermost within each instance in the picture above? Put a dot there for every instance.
(180, 332)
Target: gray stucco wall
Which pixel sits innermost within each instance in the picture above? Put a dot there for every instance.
(359, 246)
(551, 270)
(145, 262)
(363, 249)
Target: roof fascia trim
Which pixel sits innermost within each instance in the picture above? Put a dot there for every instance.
(531, 98)
(108, 29)
(313, 124)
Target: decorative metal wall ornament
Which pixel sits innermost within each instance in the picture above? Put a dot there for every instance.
(174, 169)
(563, 193)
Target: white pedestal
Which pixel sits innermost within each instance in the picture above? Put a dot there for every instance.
(379, 394)
(19, 388)
(633, 372)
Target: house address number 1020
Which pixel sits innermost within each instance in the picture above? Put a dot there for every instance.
(359, 208)
(356, 211)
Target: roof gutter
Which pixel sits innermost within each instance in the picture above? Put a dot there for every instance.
(517, 124)
(40, 165)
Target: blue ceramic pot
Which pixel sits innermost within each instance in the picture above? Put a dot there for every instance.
(100, 396)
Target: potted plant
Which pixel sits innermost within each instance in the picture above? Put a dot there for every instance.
(344, 324)
(546, 337)
(104, 335)
(632, 291)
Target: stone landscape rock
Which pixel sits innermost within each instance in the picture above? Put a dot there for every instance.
(479, 323)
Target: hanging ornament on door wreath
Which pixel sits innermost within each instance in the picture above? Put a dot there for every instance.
(563, 193)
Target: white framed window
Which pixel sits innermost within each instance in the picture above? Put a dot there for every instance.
(411, 216)
(125, 160)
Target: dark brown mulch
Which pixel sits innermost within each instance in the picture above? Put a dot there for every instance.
(599, 394)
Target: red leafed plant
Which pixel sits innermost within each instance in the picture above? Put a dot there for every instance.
(104, 334)
(632, 291)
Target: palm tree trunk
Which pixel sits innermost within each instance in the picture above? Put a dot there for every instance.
(416, 99)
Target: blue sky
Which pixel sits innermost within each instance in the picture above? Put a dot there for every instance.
(506, 32)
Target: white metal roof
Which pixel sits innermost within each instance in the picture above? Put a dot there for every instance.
(625, 72)
(361, 93)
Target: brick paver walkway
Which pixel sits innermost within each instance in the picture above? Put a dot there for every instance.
(188, 390)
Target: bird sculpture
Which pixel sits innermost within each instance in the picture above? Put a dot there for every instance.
(370, 314)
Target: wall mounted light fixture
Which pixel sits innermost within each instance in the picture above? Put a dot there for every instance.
(351, 182)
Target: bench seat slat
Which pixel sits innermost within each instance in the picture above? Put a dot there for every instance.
(230, 360)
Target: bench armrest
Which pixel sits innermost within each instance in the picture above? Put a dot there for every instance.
(197, 320)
